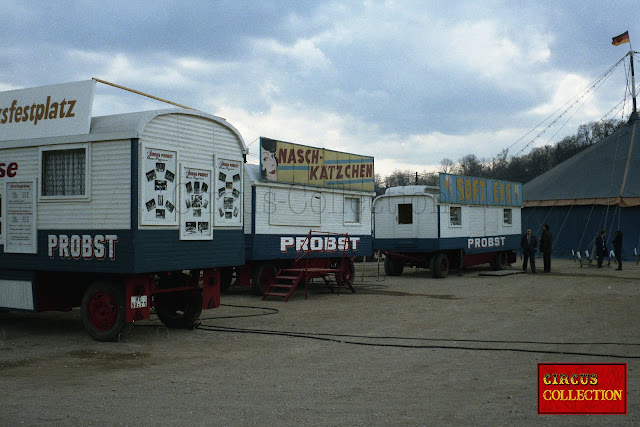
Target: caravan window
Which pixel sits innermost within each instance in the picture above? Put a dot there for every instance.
(64, 172)
(405, 213)
(507, 217)
(455, 215)
(352, 210)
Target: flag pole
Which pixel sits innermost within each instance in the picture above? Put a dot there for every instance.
(633, 82)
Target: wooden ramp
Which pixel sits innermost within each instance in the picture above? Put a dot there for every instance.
(501, 273)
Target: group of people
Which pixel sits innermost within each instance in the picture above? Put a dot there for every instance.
(601, 247)
(529, 246)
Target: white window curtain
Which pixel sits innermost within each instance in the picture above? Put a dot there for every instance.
(63, 172)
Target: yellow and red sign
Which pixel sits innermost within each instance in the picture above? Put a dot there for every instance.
(300, 164)
(580, 388)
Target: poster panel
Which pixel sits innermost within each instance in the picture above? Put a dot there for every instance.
(300, 164)
(20, 217)
(228, 193)
(195, 203)
(159, 187)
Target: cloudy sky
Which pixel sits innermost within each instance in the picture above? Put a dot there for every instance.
(409, 82)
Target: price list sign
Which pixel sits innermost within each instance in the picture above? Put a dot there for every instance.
(21, 218)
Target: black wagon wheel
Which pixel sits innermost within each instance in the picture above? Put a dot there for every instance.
(262, 276)
(226, 277)
(393, 267)
(179, 310)
(500, 261)
(441, 265)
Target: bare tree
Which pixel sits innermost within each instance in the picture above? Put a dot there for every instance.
(378, 184)
(447, 165)
(470, 165)
(398, 178)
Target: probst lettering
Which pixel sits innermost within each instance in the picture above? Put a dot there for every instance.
(485, 242)
(84, 247)
(319, 244)
(34, 113)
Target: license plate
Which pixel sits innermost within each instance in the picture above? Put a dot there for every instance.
(139, 301)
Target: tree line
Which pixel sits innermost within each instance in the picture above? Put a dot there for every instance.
(516, 168)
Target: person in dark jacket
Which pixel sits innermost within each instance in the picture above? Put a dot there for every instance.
(546, 241)
(601, 247)
(617, 248)
(529, 245)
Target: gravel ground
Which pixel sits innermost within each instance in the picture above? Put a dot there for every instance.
(407, 350)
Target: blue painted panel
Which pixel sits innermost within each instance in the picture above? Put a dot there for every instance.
(470, 245)
(470, 190)
(273, 246)
(406, 245)
(76, 250)
(161, 250)
(10, 274)
(118, 251)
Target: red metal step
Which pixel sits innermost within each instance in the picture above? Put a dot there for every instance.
(284, 274)
(286, 281)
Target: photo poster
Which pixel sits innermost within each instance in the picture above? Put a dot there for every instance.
(228, 193)
(159, 187)
(195, 203)
(20, 217)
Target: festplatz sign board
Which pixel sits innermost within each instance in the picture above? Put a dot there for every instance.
(46, 111)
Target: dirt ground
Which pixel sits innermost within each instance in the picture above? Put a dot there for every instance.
(408, 350)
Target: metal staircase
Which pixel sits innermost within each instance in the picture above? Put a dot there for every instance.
(304, 269)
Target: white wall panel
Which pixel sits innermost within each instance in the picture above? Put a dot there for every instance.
(110, 189)
(16, 294)
(290, 210)
(109, 206)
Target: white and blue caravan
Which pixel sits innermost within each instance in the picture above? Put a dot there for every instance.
(115, 214)
(313, 211)
(464, 221)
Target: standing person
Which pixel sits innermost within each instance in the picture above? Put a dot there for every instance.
(601, 247)
(617, 248)
(546, 241)
(529, 244)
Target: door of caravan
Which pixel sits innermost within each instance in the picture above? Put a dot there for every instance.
(406, 220)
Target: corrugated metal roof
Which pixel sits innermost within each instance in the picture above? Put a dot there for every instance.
(410, 190)
(608, 172)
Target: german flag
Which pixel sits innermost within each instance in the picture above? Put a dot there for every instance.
(622, 38)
